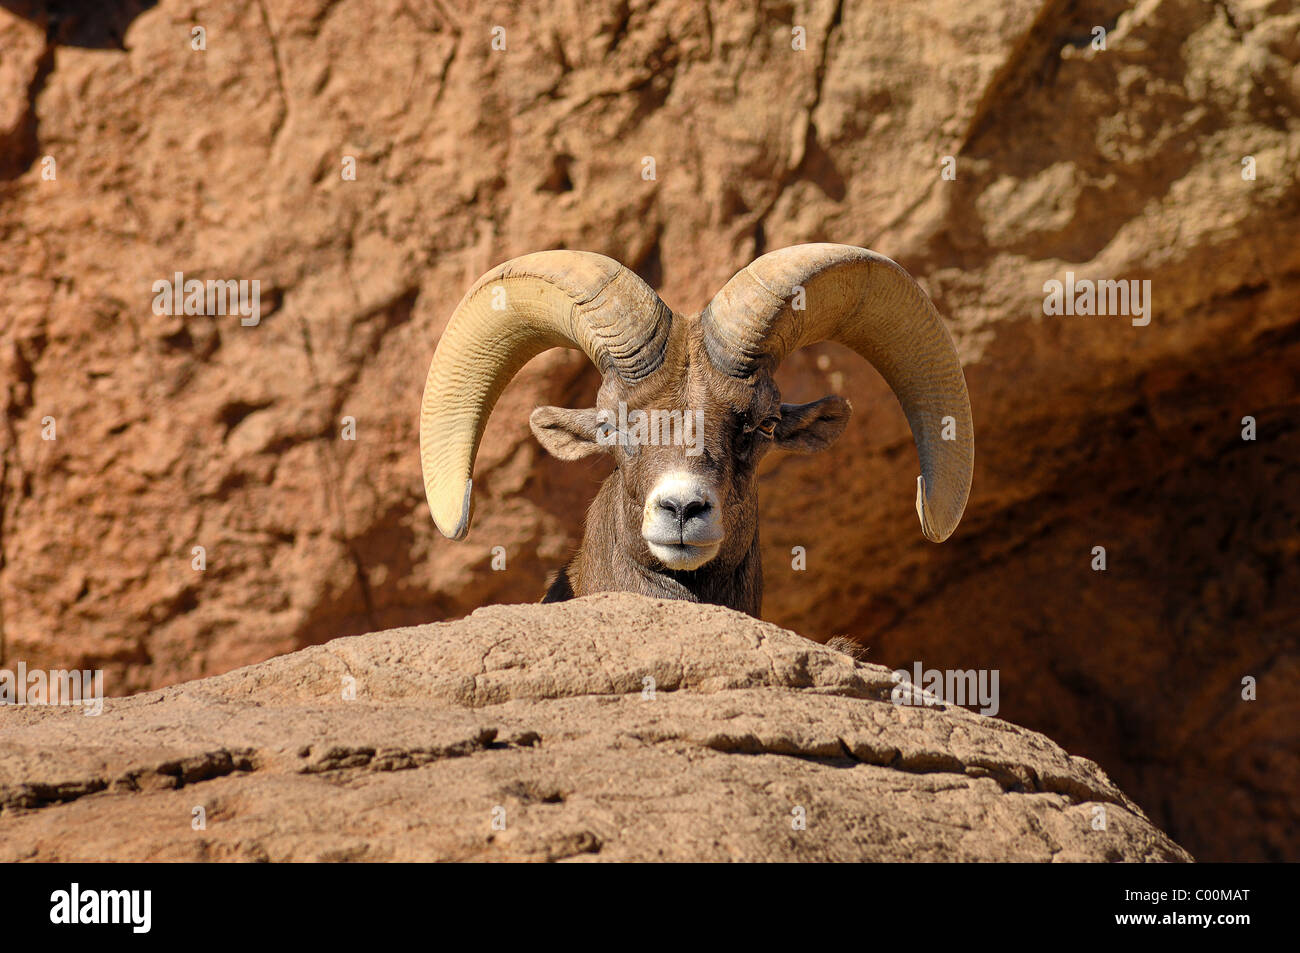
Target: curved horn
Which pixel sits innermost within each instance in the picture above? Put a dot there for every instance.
(869, 303)
(513, 313)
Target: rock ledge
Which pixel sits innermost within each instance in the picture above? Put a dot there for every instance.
(541, 716)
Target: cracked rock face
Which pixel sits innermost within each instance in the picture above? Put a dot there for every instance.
(532, 733)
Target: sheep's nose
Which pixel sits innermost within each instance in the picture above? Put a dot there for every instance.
(682, 512)
(683, 509)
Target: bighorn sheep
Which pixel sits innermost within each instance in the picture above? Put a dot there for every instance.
(681, 521)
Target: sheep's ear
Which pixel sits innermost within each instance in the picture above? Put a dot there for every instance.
(809, 428)
(567, 434)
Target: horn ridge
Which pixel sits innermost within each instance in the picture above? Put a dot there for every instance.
(868, 302)
(510, 315)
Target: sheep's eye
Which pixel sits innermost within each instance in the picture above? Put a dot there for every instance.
(768, 427)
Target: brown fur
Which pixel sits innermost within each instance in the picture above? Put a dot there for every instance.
(614, 556)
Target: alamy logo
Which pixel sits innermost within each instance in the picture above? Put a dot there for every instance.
(219, 297)
(661, 428)
(55, 687)
(1105, 297)
(932, 686)
(134, 907)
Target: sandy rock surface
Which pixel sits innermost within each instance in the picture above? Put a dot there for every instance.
(541, 716)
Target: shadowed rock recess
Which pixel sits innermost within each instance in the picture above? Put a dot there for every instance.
(181, 431)
(543, 717)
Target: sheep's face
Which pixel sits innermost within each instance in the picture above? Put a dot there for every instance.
(686, 443)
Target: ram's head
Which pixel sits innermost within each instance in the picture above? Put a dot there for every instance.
(688, 405)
